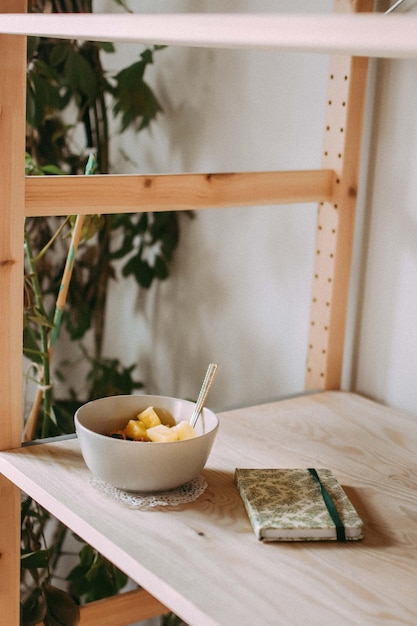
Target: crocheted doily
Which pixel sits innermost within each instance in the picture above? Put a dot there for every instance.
(186, 493)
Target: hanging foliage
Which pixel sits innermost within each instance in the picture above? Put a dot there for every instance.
(68, 91)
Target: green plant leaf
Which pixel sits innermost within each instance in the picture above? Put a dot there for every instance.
(37, 318)
(64, 414)
(123, 3)
(33, 610)
(161, 268)
(140, 269)
(30, 344)
(79, 74)
(108, 377)
(95, 577)
(106, 46)
(78, 320)
(32, 46)
(165, 228)
(34, 560)
(170, 619)
(59, 53)
(61, 608)
(134, 100)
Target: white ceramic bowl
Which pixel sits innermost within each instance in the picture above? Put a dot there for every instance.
(142, 466)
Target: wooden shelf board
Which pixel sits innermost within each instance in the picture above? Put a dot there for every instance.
(360, 35)
(68, 195)
(127, 608)
(202, 560)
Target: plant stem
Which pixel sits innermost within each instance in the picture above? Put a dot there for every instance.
(52, 239)
(45, 382)
(66, 278)
(69, 263)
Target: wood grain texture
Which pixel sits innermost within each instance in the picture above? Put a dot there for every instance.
(125, 608)
(202, 560)
(69, 195)
(347, 80)
(12, 169)
(12, 151)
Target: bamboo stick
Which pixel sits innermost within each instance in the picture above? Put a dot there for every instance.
(30, 426)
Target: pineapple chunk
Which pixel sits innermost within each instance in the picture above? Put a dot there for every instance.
(136, 430)
(165, 416)
(162, 433)
(149, 426)
(184, 430)
(149, 417)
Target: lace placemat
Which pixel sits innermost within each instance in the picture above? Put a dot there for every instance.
(186, 493)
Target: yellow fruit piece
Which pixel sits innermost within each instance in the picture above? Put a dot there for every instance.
(162, 433)
(136, 429)
(165, 416)
(184, 430)
(149, 417)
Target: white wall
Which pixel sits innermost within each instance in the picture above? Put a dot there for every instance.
(240, 288)
(386, 358)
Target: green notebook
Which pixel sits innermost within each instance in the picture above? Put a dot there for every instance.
(297, 505)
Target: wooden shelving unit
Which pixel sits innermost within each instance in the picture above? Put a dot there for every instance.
(202, 560)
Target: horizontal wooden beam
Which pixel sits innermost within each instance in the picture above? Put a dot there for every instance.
(125, 608)
(366, 34)
(69, 195)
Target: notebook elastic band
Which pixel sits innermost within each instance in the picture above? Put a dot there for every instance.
(330, 505)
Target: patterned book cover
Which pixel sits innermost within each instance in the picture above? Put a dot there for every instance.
(297, 505)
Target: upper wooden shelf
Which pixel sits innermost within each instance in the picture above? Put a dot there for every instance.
(365, 34)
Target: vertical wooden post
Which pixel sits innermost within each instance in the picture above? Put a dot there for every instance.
(335, 222)
(12, 150)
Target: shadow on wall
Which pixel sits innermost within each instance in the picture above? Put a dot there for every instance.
(240, 287)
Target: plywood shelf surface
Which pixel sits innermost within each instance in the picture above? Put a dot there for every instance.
(203, 560)
(365, 34)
